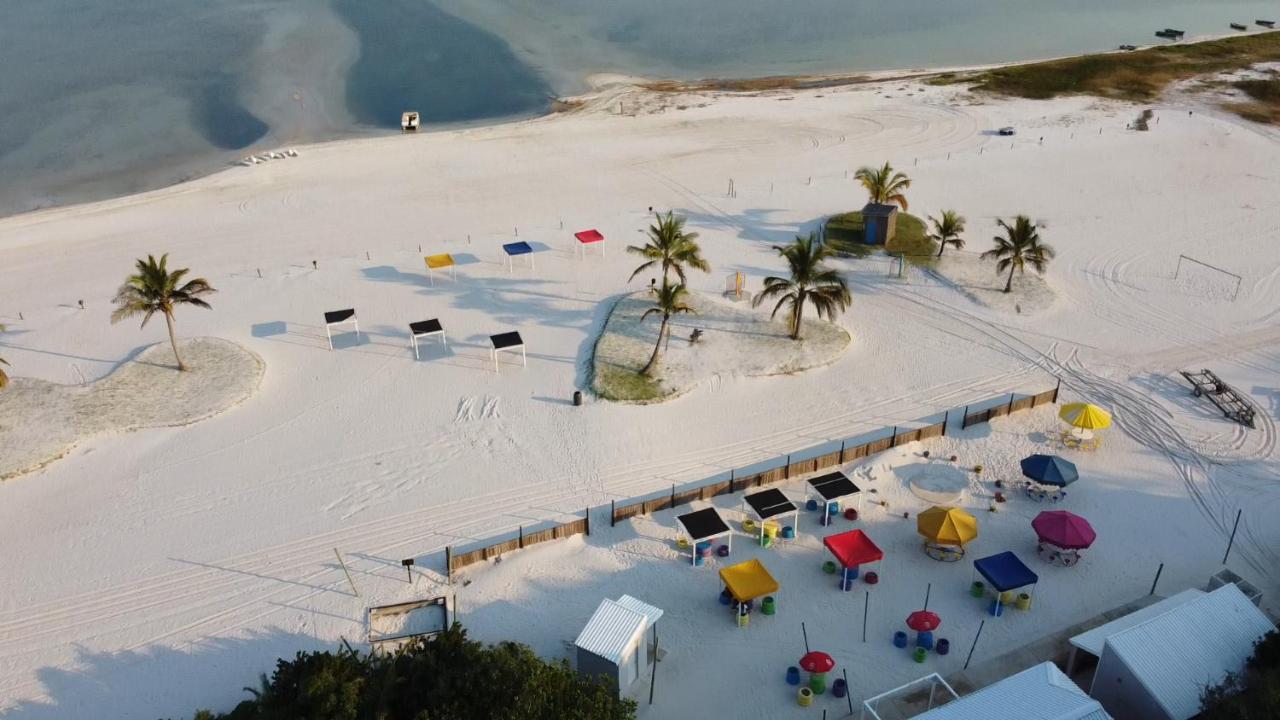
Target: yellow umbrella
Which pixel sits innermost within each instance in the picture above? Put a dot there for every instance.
(947, 526)
(1085, 416)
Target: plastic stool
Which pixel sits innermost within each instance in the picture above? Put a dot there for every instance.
(723, 551)
(944, 646)
(793, 675)
(839, 687)
(900, 639)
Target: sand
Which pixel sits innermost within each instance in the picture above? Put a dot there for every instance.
(159, 571)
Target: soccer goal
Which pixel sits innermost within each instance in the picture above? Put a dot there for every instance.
(1198, 270)
(735, 287)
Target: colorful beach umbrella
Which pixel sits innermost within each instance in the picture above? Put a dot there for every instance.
(947, 526)
(923, 621)
(1050, 470)
(1085, 416)
(1064, 529)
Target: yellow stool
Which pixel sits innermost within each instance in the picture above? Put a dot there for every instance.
(771, 530)
(804, 696)
(682, 543)
(1024, 601)
(1007, 597)
(749, 526)
(743, 620)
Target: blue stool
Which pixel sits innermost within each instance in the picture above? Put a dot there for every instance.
(793, 675)
(924, 639)
(788, 532)
(811, 506)
(725, 597)
(833, 508)
(900, 639)
(997, 607)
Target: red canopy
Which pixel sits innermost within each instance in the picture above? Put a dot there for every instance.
(923, 621)
(852, 548)
(589, 236)
(1064, 529)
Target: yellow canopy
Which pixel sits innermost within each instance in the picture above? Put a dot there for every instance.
(435, 262)
(748, 580)
(947, 526)
(1085, 416)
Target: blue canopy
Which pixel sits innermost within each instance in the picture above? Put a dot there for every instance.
(518, 248)
(1050, 470)
(1005, 572)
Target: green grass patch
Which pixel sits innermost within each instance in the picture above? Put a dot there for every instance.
(844, 232)
(620, 384)
(1137, 76)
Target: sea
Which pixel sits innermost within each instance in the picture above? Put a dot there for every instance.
(101, 98)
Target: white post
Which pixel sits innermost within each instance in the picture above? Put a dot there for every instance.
(444, 338)
(524, 359)
(357, 324)
(413, 339)
(329, 333)
(494, 353)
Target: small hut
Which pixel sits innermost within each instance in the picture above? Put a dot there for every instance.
(878, 223)
(612, 645)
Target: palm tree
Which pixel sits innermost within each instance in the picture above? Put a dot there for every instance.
(946, 230)
(670, 300)
(670, 247)
(884, 185)
(811, 281)
(1020, 245)
(156, 290)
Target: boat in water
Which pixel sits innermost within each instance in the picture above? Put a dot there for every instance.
(1170, 34)
(1266, 23)
(1239, 26)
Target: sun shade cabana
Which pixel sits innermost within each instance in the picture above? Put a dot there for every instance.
(946, 531)
(440, 262)
(1005, 572)
(507, 341)
(1085, 416)
(852, 549)
(334, 318)
(1062, 536)
(748, 580)
(589, 237)
(423, 329)
(833, 487)
(768, 504)
(517, 248)
(1049, 470)
(703, 525)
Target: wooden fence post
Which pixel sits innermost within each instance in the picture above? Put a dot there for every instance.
(894, 442)
(613, 513)
(1056, 389)
(1010, 411)
(673, 495)
(841, 452)
(786, 469)
(945, 419)
(964, 421)
(521, 544)
(586, 514)
(448, 564)
(731, 473)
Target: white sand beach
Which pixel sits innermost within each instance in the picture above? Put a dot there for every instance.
(156, 572)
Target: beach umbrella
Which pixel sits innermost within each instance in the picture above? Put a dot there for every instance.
(1085, 416)
(923, 621)
(947, 526)
(1064, 529)
(1050, 470)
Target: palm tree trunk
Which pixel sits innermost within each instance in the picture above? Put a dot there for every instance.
(797, 318)
(173, 340)
(1008, 286)
(652, 365)
(942, 245)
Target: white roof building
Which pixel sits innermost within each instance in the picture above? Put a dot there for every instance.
(1041, 692)
(1159, 667)
(612, 646)
(1092, 641)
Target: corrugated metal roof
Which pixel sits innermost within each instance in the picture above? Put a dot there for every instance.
(650, 612)
(1037, 693)
(611, 630)
(1091, 641)
(1177, 654)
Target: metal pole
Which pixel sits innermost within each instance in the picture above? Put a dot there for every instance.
(806, 638)
(974, 645)
(927, 590)
(866, 604)
(848, 691)
(653, 677)
(408, 569)
(1057, 388)
(1233, 536)
(345, 571)
(1153, 582)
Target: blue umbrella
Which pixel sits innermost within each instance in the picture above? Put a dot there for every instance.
(1050, 470)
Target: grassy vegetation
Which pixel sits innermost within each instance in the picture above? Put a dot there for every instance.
(1265, 106)
(620, 384)
(844, 233)
(1139, 75)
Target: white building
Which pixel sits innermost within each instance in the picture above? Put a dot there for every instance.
(612, 645)
(1158, 668)
(1041, 692)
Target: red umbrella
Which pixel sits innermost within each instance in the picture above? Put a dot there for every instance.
(817, 662)
(1064, 529)
(923, 621)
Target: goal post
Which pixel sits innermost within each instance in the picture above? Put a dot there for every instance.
(735, 285)
(1185, 258)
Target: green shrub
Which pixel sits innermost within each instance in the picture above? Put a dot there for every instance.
(1253, 694)
(445, 678)
(844, 232)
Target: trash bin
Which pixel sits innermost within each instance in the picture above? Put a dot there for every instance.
(577, 398)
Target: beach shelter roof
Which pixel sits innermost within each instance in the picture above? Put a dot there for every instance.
(1064, 529)
(947, 526)
(769, 503)
(748, 580)
(518, 248)
(1005, 571)
(1042, 691)
(436, 262)
(589, 236)
(1050, 470)
(611, 630)
(1085, 416)
(702, 524)
(852, 548)
(834, 486)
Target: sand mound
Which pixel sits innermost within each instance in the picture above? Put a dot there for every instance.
(737, 340)
(41, 421)
(937, 482)
(978, 280)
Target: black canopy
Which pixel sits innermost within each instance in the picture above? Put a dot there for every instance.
(337, 316)
(501, 341)
(769, 503)
(424, 327)
(834, 486)
(703, 524)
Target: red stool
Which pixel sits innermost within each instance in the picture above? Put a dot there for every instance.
(850, 514)
(871, 578)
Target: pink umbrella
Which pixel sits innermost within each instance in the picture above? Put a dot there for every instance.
(1064, 529)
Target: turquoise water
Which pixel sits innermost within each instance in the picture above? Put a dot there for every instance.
(105, 97)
